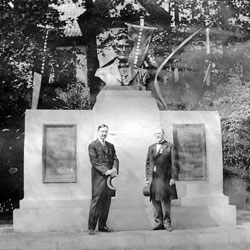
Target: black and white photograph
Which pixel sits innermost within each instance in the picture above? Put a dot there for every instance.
(124, 124)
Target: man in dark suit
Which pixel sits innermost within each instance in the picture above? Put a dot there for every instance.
(104, 164)
(162, 170)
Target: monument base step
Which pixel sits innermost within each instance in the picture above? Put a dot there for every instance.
(45, 218)
(203, 216)
(221, 238)
(72, 215)
(51, 215)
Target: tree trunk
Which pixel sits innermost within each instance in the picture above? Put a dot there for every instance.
(89, 30)
(176, 14)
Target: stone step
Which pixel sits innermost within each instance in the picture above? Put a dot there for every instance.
(222, 238)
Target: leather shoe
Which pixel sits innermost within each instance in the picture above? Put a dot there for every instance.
(105, 230)
(158, 227)
(91, 232)
(169, 228)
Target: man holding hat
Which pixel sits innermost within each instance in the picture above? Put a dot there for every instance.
(162, 170)
(105, 164)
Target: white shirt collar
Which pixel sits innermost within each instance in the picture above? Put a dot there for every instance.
(162, 141)
(102, 142)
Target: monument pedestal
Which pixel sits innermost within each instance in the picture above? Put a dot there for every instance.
(131, 116)
(201, 202)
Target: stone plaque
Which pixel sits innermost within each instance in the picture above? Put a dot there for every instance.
(191, 146)
(59, 153)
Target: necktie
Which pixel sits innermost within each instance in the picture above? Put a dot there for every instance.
(104, 146)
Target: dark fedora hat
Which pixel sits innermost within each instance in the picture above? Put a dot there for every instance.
(146, 190)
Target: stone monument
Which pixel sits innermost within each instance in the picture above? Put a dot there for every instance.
(57, 171)
(57, 187)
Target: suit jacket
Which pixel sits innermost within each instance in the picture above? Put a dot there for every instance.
(102, 159)
(111, 76)
(160, 167)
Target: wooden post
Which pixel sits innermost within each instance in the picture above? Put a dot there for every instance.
(208, 54)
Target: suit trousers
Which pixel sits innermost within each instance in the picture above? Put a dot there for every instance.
(162, 212)
(99, 210)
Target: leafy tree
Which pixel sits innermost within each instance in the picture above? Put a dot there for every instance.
(241, 14)
(21, 48)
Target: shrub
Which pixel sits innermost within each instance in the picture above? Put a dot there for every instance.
(236, 142)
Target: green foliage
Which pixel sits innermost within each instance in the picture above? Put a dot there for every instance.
(64, 61)
(241, 13)
(231, 99)
(129, 13)
(21, 45)
(105, 14)
(75, 96)
(64, 90)
(236, 142)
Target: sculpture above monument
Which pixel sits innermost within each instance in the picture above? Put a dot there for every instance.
(120, 71)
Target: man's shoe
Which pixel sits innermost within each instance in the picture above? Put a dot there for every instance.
(158, 227)
(91, 232)
(105, 230)
(169, 228)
